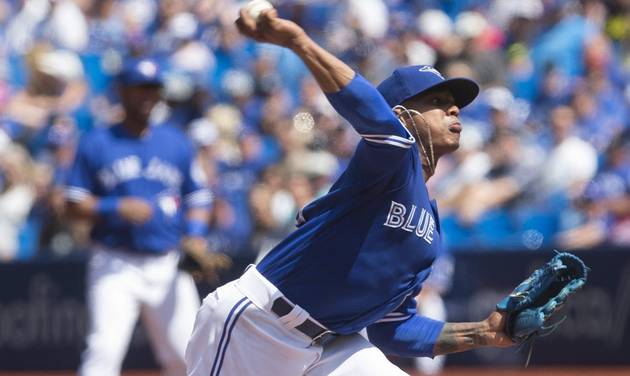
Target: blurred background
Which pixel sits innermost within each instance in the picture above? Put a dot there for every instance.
(544, 161)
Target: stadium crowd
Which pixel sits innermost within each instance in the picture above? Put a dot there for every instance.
(544, 158)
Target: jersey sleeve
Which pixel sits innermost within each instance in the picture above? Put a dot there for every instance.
(81, 181)
(195, 191)
(405, 333)
(385, 139)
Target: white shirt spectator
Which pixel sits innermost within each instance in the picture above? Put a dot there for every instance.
(571, 162)
(15, 204)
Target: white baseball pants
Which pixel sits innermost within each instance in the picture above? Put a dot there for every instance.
(122, 286)
(236, 334)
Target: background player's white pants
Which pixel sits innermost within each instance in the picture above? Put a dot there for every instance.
(122, 286)
(236, 334)
(432, 306)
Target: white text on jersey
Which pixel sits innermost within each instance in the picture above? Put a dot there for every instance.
(398, 218)
(130, 167)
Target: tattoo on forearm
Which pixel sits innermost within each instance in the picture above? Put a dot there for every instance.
(457, 337)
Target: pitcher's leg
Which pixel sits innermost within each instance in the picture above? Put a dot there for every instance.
(201, 344)
(353, 355)
(233, 337)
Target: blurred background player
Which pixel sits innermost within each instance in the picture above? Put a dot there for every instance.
(135, 180)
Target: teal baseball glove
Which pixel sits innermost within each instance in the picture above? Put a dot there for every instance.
(532, 306)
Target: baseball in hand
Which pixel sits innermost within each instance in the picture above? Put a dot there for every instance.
(255, 7)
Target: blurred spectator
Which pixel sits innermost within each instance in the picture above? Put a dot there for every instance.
(497, 164)
(185, 98)
(481, 47)
(596, 123)
(21, 31)
(187, 53)
(58, 235)
(55, 86)
(541, 64)
(602, 212)
(269, 202)
(67, 26)
(369, 16)
(570, 161)
(17, 195)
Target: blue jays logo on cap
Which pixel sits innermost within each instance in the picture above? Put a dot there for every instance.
(143, 71)
(407, 82)
(428, 68)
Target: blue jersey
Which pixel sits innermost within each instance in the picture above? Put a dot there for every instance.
(156, 167)
(362, 251)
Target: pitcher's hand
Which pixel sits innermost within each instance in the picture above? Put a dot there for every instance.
(496, 329)
(269, 28)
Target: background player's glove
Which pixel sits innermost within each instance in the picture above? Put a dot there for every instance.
(531, 307)
(200, 262)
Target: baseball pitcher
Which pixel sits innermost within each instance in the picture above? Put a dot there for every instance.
(361, 252)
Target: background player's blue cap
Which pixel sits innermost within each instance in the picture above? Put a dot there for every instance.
(140, 71)
(407, 82)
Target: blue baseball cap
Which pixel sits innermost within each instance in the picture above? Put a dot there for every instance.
(407, 82)
(140, 71)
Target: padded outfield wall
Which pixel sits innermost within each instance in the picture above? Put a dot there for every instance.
(43, 316)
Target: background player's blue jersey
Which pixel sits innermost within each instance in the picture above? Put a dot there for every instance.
(155, 167)
(361, 252)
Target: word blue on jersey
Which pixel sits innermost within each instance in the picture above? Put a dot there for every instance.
(157, 167)
(362, 251)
